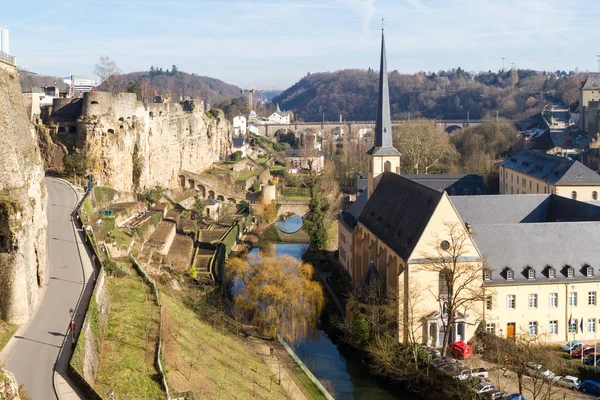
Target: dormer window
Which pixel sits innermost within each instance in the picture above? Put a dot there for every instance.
(570, 272)
(487, 275)
(530, 273)
(589, 271)
(510, 274)
(551, 273)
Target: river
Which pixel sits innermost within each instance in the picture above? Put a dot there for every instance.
(348, 377)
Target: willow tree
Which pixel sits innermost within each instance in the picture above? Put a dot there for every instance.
(277, 295)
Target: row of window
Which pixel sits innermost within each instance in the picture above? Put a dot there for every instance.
(511, 300)
(509, 273)
(524, 184)
(533, 327)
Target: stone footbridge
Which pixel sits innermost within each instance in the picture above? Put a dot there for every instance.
(297, 207)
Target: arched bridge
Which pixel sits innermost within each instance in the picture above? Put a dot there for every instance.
(296, 207)
(352, 127)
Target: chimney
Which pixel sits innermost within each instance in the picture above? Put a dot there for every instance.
(468, 226)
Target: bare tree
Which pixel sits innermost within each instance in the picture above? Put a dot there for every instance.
(425, 148)
(460, 287)
(109, 73)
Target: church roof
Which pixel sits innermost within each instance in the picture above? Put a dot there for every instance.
(453, 184)
(383, 145)
(398, 212)
(553, 169)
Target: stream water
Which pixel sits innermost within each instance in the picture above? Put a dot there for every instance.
(326, 360)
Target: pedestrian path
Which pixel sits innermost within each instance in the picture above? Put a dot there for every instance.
(276, 365)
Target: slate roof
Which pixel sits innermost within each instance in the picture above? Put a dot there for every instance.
(398, 211)
(539, 246)
(533, 231)
(465, 184)
(350, 216)
(237, 142)
(523, 209)
(592, 83)
(553, 169)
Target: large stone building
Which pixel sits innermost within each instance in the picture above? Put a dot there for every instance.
(529, 172)
(529, 259)
(590, 91)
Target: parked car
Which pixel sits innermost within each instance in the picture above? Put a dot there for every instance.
(591, 387)
(570, 345)
(568, 381)
(589, 359)
(434, 353)
(441, 362)
(496, 395)
(484, 387)
(586, 351)
(461, 350)
(450, 368)
(539, 371)
(514, 396)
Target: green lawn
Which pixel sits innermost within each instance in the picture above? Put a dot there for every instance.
(293, 193)
(6, 332)
(129, 347)
(249, 174)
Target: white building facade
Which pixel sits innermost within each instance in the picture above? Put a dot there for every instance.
(239, 125)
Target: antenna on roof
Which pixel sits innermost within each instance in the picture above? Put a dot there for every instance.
(382, 26)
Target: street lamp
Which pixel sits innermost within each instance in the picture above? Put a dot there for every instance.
(501, 332)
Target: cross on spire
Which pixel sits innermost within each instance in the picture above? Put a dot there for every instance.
(383, 127)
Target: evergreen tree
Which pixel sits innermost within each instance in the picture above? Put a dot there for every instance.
(314, 223)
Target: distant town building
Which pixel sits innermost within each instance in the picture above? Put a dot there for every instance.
(301, 160)
(279, 117)
(80, 85)
(239, 125)
(4, 42)
(253, 130)
(530, 172)
(590, 91)
(239, 144)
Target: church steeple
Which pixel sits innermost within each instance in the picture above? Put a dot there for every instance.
(383, 156)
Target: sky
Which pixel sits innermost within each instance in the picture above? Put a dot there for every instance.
(272, 44)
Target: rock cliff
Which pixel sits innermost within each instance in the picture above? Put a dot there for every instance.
(130, 145)
(23, 218)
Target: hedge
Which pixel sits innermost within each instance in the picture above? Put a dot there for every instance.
(588, 372)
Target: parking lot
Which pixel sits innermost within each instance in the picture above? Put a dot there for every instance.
(507, 381)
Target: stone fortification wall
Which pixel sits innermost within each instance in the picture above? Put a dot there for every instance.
(23, 218)
(135, 146)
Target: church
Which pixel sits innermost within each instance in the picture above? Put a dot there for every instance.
(514, 264)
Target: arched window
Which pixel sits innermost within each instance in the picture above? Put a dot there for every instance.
(574, 195)
(387, 166)
(594, 195)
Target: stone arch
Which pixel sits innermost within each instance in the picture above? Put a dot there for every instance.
(387, 166)
(202, 190)
(452, 129)
(111, 131)
(182, 181)
(231, 200)
(121, 119)
(220, 197)
(211, 194)
(94, 102)
(191, 183)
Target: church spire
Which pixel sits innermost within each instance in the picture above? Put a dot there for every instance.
(383, 127)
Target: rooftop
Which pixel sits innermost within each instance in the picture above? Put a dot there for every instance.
(553, 169)
(453, 184)
(592, 83)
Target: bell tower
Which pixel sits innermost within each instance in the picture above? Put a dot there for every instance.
(383, 156)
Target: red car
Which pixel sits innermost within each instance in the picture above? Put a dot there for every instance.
(461, 350)
(586, 350)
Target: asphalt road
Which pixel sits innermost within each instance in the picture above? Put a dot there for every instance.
(34, 356)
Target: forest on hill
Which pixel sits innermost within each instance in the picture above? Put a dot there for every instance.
(514, 94)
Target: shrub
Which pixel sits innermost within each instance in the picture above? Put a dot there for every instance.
(588, 372)
(192, 272)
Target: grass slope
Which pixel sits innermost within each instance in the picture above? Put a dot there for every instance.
(207, 358)
(129, 347)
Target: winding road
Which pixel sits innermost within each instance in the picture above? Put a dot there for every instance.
(34, 353)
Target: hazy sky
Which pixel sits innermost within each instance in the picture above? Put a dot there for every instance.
(275, 43)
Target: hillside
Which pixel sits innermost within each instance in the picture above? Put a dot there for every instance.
(31, 79)
(176, 82)
(451, 94)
